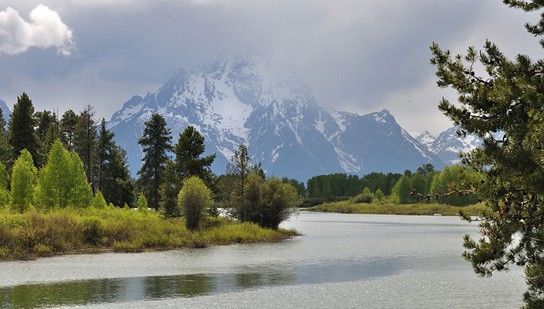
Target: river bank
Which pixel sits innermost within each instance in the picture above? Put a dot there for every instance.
(68, 231)
(423, 209)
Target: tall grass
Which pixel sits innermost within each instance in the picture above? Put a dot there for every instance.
(400, 209)
(34, 234)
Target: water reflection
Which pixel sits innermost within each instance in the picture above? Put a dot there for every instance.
(160, 287)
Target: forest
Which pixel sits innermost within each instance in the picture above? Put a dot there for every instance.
(65, 185)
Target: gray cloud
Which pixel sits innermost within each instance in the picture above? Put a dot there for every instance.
(357, 55)
(43, 30)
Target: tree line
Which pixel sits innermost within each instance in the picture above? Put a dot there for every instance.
(47, 162)
(451, 186)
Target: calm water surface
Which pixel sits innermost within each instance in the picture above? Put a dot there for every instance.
(342, 261)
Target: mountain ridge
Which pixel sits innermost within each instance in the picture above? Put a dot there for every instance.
(248, 100)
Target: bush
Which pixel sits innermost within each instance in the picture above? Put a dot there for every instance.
(194, 199)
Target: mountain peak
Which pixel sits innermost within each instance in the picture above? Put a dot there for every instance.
(250, 100)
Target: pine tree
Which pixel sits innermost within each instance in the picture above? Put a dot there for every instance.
(68, 124)
(500, 100)
(47, 132)
(21, 132)
(85, 140)
(5, 148)
(118, 187)
(188, 161)
(104, 151)
(156, 144)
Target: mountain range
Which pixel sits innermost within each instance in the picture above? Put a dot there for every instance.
(249, 100)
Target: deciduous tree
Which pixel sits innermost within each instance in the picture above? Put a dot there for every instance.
(23, 182)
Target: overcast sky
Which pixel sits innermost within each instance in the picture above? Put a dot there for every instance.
(357, 55)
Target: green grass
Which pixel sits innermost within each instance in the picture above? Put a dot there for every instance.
(395, 209)
(35, 234)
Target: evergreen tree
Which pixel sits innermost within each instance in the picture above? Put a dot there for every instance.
(118, 187)
(188, 161)
(497, 94)
(47, 132)
(68, 124)
(21, 132)
(156, 144)
(23, 182)
(104, 148)
(5, 148)
(85, 140)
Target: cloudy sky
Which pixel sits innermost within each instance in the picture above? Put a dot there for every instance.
(358, 55)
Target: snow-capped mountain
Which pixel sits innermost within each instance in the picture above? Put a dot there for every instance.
(249, 100)
(449, 145)
(6, 112)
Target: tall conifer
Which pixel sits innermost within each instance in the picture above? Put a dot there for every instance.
(21, 132)
(156, 144)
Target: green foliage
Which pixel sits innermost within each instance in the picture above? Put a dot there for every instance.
(68, 124)
(379, 195)
(364, 197)
(385, 208)
(117, 185)
(21, 132)
(497, 94)
(194, 199)
(23, 182)
(99, 201)
(402, 190)
(155, 142)
(450, 186)
(62, 181)
(188, 161)
(142, 202)
(279, 202)
(85, 140)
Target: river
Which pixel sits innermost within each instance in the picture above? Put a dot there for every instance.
(342, 261)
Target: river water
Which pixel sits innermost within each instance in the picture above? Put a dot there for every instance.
(342, 261)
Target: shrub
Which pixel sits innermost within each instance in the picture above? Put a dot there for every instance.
(193, 200)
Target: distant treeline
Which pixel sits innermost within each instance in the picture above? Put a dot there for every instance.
(451, 186)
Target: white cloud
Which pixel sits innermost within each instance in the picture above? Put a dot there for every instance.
(43, 30)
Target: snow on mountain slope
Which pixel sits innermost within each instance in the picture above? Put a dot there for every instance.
(248, 100)
(449, 145)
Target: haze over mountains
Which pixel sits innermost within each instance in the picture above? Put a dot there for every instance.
(249, 100)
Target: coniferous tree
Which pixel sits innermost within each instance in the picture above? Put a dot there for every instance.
(498, 94)
(104, 151)
(47, 132)
(21, 132)
(68, 124)
(156, 144)
(188, 161)
(118, 187)
(5, 147)
(85, 140)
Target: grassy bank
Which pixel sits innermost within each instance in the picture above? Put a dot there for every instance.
(394, 209)
(35, 234)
